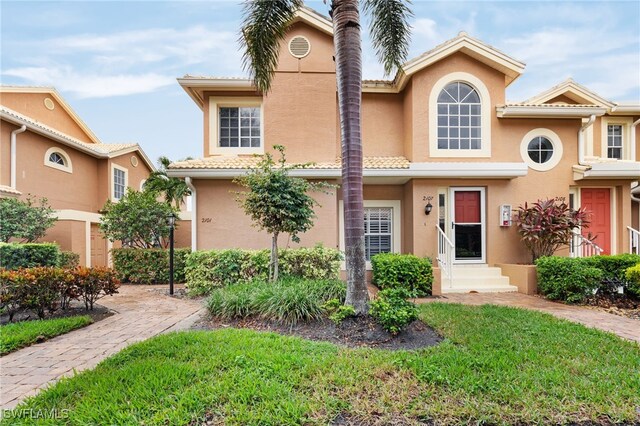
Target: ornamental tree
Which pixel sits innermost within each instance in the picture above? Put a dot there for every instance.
(138, 220)
(277, 202)
(547, 225)
(27, 220)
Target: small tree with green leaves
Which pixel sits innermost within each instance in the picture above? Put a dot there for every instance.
(277, 202)
(547, 225)
(27, 220)
(137, 220)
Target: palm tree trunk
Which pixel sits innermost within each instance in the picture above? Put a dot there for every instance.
(348, 50)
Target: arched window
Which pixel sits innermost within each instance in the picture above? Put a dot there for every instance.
(57, 158)
(459, 117)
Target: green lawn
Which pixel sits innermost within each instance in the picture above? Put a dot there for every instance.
(496, 365)
(24, 333)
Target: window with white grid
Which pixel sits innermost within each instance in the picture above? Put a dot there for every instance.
(239, 127)
(459, 117)
(614, 141)
(119, 183)
(378, 230)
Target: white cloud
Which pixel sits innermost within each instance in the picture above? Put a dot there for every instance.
(126, 62)
(66, 79)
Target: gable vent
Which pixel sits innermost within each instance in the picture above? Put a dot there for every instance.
(299, 47)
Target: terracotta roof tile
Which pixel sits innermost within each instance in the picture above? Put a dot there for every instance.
(242, 162)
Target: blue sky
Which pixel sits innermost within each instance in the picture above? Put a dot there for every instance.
(116, 62)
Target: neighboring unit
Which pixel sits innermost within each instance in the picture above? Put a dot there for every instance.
(46, 150)
(446, 156)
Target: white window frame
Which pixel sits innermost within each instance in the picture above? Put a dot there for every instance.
(396, 225)
(625, 123)
(68, 167)
(215, 103)
(485, 118)
(112, 185)
(556, 143)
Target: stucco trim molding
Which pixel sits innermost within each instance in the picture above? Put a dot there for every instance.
(612, 170)
(78, 215)
(548, 111)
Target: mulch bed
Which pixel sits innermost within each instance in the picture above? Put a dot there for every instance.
(613, 304)
(359, 332)
(98, 313)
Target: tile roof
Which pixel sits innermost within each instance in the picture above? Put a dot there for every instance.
(247, 162)
(558, 105)
(9, 190)
(98, 148)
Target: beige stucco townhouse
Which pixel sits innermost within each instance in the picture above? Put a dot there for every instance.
(440, 136)
(46, 150)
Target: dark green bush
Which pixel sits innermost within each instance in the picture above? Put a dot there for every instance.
(149, 266)
(68, 260)
(289, 300)
(28, 255)
(615, 266)
(207, 270)
(392, 310)
(568, 279)
(632, 276)
(413, 273)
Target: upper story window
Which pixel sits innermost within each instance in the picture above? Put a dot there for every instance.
(57, 158)
(236, 126)
(119, 176)
(541, 149)
(614, 141)
(459, 117)
(459, 114)
(239, 127)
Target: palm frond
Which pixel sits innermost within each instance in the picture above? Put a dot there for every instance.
(390, 31)
(264, 26)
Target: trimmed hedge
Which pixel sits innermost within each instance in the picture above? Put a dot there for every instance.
(68, 260)
(407, 271)
(633, 279)
(149, 266)
(573, 279)
(28, 255)
(206, 270)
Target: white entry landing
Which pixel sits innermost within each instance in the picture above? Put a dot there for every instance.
(477, 278)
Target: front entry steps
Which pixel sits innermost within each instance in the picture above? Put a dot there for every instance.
(477, 278)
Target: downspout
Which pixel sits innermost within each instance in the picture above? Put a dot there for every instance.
(14, 155)
(588, 124)
(633, 152)
(194, 206)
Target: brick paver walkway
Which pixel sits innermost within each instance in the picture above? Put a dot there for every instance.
(142, 312)
(624, 327)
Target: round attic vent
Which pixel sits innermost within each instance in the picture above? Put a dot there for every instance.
(48, 103)
(299, 47)
(134, 161)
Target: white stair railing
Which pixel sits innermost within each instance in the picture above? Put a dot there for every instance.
(445, 256)
(583, 247)
(634, 240)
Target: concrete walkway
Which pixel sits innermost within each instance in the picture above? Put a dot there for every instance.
(142, 312)
(624, 327)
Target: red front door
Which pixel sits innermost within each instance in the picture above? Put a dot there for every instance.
(597, 201)
(468, 232)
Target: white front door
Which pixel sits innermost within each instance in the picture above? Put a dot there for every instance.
(468, 224)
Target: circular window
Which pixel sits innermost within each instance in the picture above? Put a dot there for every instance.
(299, 47)
(134, 161)
(48, 103)
(541, 149)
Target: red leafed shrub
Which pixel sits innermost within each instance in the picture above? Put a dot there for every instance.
(42, 292)
(547, 225)
(94, 283)
(12, 290)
